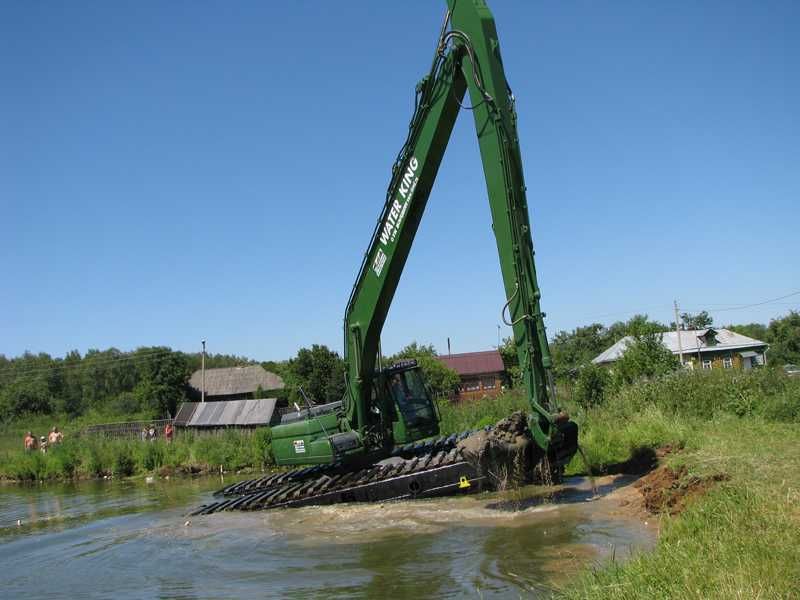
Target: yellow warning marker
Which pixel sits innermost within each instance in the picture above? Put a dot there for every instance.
(463, 482)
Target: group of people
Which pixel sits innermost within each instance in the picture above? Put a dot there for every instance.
(150, 433)
(33, 443)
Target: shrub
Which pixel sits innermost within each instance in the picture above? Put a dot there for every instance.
(124, 462)
(646, 356)
(590, 388)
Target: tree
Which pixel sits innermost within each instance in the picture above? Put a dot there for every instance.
(319, 371)
(757, 331)
(577, 348)
(162, 382)
(442, 379)
(701, 320)
(508, 352)
(784, 339)
(25, 396)
(645, 356)
(573, 350)
(591, 385)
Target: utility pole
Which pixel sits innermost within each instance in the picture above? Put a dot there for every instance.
(203, 370)
(448, 345)
(498, 337)
(678, 332)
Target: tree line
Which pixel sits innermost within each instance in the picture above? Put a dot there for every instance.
(149, 380)
(574, 349)
(154, 380)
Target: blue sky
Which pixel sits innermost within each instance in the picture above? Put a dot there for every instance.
(172, 171)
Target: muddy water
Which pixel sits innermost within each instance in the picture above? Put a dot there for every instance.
(130, 540)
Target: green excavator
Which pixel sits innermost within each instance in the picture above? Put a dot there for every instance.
(380, 442)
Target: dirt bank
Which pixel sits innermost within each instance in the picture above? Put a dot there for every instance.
(667, 490)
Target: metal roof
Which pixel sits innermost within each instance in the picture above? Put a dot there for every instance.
(474, 363)
(185, 412)
(692, 341)
(235, 380)
(229, 412)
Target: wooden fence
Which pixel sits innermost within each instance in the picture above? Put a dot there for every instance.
(129, 430)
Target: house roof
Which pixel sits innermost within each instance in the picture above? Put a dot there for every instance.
(474, 363)
(692, 341)
(228, 412)
(236, 380)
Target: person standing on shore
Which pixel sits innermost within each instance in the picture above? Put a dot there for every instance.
(55, 436)
(168, 431)
(30, 442)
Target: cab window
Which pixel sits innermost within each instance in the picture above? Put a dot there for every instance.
(407, 389)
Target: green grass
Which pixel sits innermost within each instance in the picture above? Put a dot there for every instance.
(457, 417)
(88, 457)
(13, 432)
(742, 540)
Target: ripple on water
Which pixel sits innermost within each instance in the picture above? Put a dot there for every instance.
(497, 544)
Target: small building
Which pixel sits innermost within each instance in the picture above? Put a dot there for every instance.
(216, 416)
(702, 349)
(481, 373)
(234, 383)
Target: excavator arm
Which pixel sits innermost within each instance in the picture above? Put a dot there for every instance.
(467, 58)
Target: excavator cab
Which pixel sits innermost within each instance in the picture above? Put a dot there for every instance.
(416, 415)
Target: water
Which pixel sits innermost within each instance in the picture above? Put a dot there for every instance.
(131, 540)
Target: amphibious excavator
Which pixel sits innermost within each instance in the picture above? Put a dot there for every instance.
(382, 441)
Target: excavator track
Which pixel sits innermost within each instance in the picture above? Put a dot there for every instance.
(421, 470)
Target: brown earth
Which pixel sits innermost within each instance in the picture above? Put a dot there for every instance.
(667, 490)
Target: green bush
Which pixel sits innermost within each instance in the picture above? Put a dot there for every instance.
(591, 386)
(124, 461)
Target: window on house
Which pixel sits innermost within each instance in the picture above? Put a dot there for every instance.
(488, 383)
(727, 362)
(706, 364)
(471, 385)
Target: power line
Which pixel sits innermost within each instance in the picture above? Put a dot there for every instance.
(729, 307)
(108, 361)
(743, 306)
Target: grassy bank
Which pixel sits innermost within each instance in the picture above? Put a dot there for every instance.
(741, 540)
(91, 457)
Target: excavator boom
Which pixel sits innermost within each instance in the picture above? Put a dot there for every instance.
(467, 58)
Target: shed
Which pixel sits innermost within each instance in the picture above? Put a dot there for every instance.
(231, 413)
(234, 383)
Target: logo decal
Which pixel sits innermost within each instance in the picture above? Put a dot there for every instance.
(397, 213)
(377, 264)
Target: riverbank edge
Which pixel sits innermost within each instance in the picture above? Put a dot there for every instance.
(728, 511)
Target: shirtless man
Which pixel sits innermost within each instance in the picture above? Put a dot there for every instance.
(55, 436)
(30, 441)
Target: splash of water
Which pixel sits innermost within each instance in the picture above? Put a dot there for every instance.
(588, 472)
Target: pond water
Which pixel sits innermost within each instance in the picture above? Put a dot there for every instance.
(130, 539)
